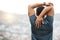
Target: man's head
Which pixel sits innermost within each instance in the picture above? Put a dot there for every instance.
(39, 10)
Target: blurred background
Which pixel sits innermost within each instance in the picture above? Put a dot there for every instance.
(14, 21)
(14, 27)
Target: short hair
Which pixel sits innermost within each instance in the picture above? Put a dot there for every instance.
(39, 10)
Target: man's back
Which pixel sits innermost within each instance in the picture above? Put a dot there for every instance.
(45, 30)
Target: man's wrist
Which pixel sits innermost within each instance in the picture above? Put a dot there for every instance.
(40, 17)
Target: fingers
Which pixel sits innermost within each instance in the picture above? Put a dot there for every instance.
(47, 4)
(38, 24)
(35, 23)
(51, 3)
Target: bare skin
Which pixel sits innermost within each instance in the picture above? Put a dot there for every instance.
(39, 19)
(31, 10)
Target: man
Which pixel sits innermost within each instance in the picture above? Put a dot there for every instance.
(41, 22)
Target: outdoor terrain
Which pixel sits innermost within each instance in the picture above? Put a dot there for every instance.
(21, 30)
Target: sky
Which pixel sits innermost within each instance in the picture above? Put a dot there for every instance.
(21, 6)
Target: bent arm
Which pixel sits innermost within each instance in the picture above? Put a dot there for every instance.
(31, 8)
(45, 10)
(36, 5)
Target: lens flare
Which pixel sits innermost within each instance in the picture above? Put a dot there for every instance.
(9, 18)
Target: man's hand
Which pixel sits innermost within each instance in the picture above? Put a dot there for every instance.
(39, 21)
(48, 4)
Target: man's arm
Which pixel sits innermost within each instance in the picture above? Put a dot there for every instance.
(36, 5)
(45, 10)
(31, 8)
(43, 13)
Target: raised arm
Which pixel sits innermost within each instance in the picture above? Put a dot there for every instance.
(31, 8)
(48, 9)
(36, 5)
(45, 10)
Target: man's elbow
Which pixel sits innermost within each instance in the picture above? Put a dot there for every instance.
(49, 8)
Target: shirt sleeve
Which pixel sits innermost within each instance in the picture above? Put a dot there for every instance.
(48, 20)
